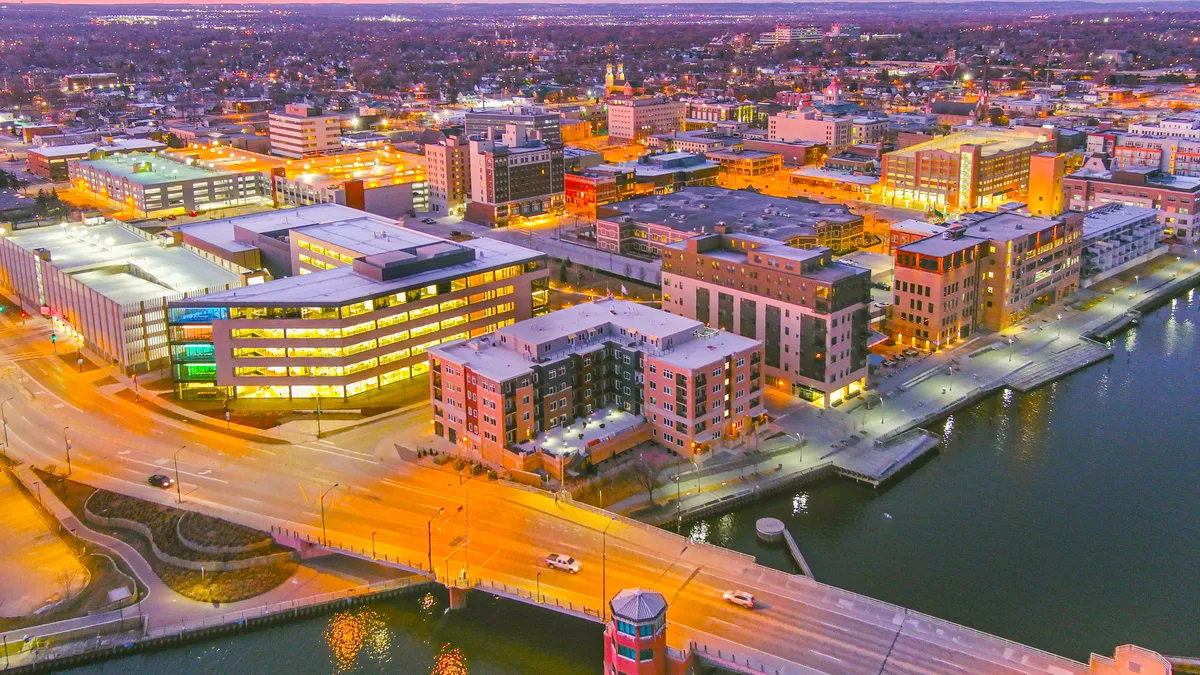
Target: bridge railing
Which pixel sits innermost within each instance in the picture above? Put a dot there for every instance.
(525, 595)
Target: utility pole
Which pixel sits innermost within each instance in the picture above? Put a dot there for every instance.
(5, 418)
(429, 540)
(324, 534)
(67, 443)
(178, 490)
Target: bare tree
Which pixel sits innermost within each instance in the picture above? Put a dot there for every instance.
(646, 475)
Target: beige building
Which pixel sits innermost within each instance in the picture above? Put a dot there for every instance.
(635, 118)
(448, 168)
(812, 126)
(301, 130)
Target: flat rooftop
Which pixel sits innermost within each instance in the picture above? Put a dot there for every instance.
(114, 260)
(367, 235)
(938, 247)
(566, 442)
(220, 233)
(740, 154)
(1008, 226)
(702, 350)
(1112, 216)
(993, 142)
(343, 285)
(918, 226)
(631, 316)
(700, 209)
(836, 176)
(80, 149)
(161, 169)
(1154, 178)
(483, 355)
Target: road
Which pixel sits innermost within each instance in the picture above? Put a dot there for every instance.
(478, 529)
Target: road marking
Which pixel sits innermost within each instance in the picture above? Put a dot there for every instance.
(489, 558)
(162, 463)
(833, 658)
(336, 454)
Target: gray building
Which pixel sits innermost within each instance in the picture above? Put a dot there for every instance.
(530, 118)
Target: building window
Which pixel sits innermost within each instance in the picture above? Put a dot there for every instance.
(626, 628)
(627, 652)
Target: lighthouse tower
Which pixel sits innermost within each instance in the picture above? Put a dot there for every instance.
(635, 638)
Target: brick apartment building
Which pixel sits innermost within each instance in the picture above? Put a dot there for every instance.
(1175, 197)
(592, 380)
(513, 177)
(810, 312)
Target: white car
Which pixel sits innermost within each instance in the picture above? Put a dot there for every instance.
(562, 562)
(741, 598)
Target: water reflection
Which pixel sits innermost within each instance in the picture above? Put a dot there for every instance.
(699, 532)
(800, 504)
(947, 430)
(449, 661)
(357, 632)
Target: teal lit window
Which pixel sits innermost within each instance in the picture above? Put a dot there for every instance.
(627, 652)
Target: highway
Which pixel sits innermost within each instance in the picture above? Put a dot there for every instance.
(477, 529)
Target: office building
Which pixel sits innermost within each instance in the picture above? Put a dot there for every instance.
(809, 311)
(812, 126)
(87, 81)
(631, 119)
(587, 190)
(693, 141)
(358, 318)
(1117, 237)
(646, 224)
(513, 177)
(868, 130)
(538, 122)
(148, 184)
(50, 161)
(589, 381)
(739, 168)
(984, 272)
(1175, 197)
(1046, 173)
(964, 171)
(301, 131)
(109, 283)
(667, 172)
(709, 110)
(448, 165)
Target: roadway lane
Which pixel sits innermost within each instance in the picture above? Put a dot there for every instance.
(486, 530)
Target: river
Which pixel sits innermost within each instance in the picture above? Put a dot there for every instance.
(1066, 519)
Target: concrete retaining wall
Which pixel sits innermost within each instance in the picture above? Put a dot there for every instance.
(194, 565)
(265, 542)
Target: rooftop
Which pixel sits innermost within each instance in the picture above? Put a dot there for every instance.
(706, 348)
(343, 285)
(150, 169)
(483, 355)
(631, 316)
(940, 247)
(701, 209)
(366, 234)
(1112, 216)
(573, 440)
(124, 264)
(993, 141)
(220, 233)
(80, 149)
(1009, 226)
(839, 176)
(1152, 175)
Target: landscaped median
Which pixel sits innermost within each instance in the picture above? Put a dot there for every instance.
(197, 556)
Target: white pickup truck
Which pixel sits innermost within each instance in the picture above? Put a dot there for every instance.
(566, 563)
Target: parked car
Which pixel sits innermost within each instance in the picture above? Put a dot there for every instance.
(193, 213)
(428, 221)
(741, 598)
(562, 562)
(889, 363)
(160, 481)
(898, 357)
(911, 352)
(172, 217)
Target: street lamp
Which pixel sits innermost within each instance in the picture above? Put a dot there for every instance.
(604, 568)
(5, 418)
(324, 534)
(429, 535)
(67, 444)
(373, 545)
(537, 578)
(178, 490)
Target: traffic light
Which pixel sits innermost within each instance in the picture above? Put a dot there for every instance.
(53, 338)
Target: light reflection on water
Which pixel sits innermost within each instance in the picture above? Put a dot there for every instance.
(354, 633)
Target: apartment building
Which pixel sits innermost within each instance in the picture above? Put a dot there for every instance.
(301, 130)
(631, 119)
(986, 271)
(1172, 155)
(590, 381)
(1175, 197)
(868, 130)
(537, 121)
(981, 168)
(1184, 125)
(1117, 237)
(809, 311)
(448, 167)
(361, 325)
(813, 126)
(513, 177)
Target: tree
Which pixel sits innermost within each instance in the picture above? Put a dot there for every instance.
(175, 142)
(562, 273)
(646, 475)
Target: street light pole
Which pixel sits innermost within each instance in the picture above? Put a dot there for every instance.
(178, 490)
(67, 444)
(5, 418)
(318, 415)
(373, 545)
(429, 534)
(538, 580)
(324, 534)
(604, 569)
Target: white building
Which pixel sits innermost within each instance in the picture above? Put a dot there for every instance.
(811, 125)
(1117, 237)
(302, 130)
(630, 119)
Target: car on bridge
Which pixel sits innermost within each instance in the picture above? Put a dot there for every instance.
(562, 562)
(161, 481)
(741, 598)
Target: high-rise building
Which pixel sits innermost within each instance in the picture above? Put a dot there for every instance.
(1046, 172)
(810, 312)
(301, 130)
(630, 119)
(618, 365)
(811, 125)
(535, 120)
(513, 177)
(448, 167)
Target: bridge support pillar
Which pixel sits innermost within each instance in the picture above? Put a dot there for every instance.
(458, 597)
